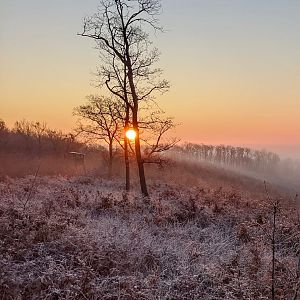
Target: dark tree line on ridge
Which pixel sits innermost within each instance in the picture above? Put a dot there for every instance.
(238, 157)
(36, 138)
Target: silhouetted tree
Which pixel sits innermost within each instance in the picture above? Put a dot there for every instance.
(155, 126)
(38, 129)
(2, 125)
(3, 134)
(120, 29)
(100, 119)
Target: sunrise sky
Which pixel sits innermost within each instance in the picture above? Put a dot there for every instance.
(233, 65)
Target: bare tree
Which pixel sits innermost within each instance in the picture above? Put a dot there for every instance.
(24, 130)
(3, 134)
(39, 129)
(2, 125)
(120, 30)
(155, 127)
(100, 119)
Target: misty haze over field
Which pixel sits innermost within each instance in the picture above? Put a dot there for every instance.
(286, 151)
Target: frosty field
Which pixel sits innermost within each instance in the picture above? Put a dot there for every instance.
(194, 238)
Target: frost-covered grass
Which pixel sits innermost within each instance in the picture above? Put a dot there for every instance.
(84, 238)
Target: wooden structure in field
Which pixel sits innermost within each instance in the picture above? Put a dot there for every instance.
(78, 159)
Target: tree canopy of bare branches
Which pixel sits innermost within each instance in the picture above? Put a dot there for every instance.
(101, 119)
(121, 30)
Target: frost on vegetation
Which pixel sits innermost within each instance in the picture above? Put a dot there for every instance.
(83, 238)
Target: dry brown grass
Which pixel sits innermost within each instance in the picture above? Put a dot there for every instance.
(84, 238)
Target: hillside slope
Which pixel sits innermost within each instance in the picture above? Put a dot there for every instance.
(205, 234)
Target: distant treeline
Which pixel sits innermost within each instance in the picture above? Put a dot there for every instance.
(35, 138)
(22, 146)
(27, 145)
(237, 157)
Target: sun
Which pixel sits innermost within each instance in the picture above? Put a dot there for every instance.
(131, 134)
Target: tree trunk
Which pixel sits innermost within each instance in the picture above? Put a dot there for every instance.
(126, 153)
(127, 167)
(110, 158)
(138, 155)
(135, 125)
